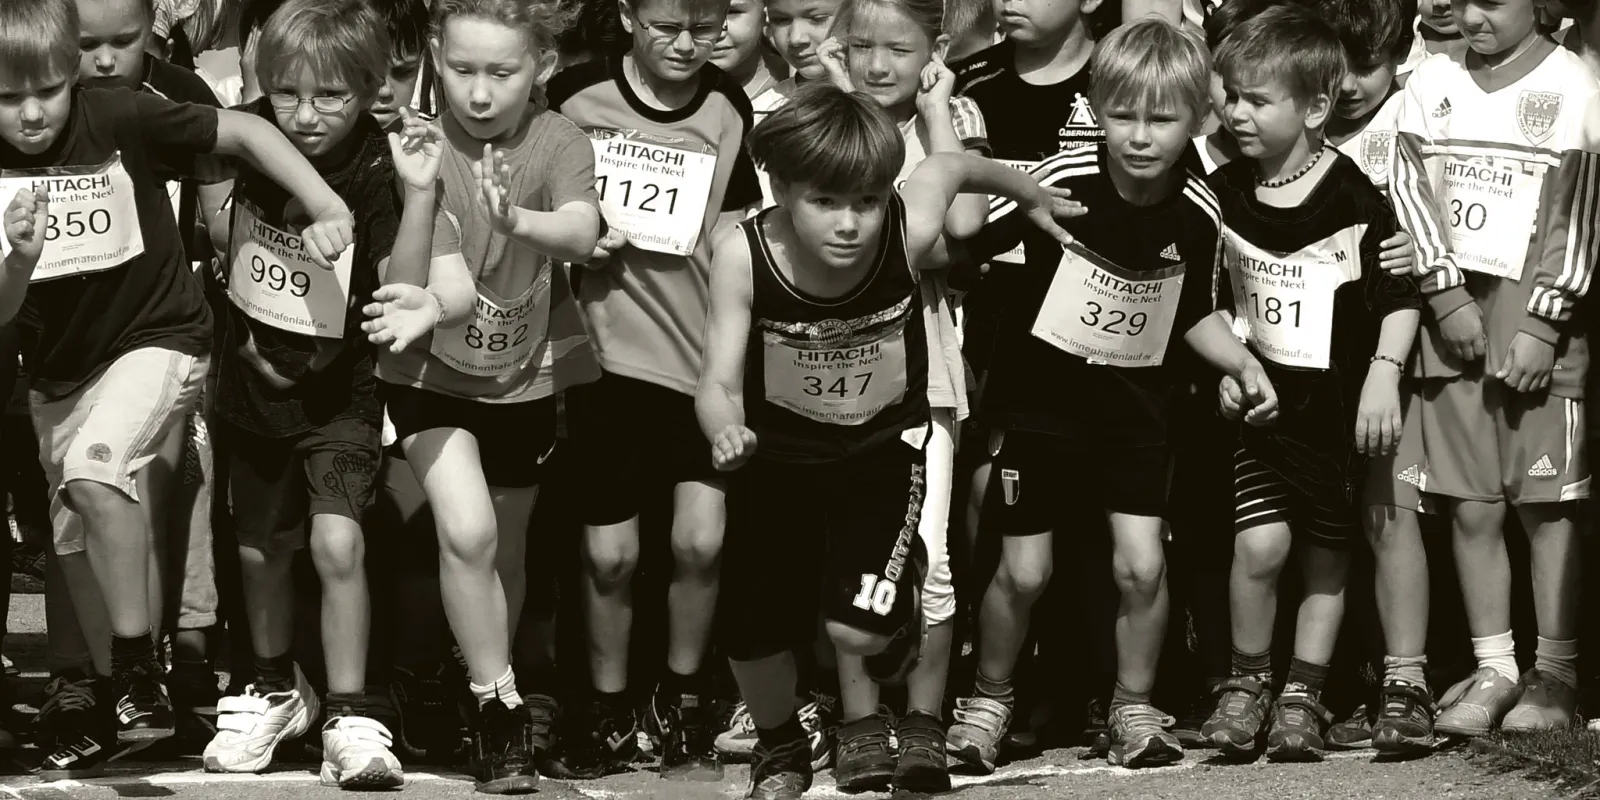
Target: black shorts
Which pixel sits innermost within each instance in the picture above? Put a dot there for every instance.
(632, 438)
(514, 439)
(275, 486)
(1329, 518)
(1038, 479)
(842, 534)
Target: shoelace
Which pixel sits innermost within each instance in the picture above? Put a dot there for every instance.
(64, 696)
(1299, 711)
(1141, 720)
(775, 769)
(744, 723)
(989, 716)
(1401, 700)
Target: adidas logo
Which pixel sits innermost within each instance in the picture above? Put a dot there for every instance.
(1443, 110)
(1542, 468)
(1171, 253)
(1413, 475)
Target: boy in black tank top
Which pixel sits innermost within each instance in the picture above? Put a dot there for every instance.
(816, 388)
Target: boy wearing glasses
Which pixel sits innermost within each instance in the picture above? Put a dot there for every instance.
(668, 131)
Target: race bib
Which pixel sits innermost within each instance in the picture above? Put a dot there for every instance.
(841, 380)
(1099, 311)
(501, 336)
(1283, 302)
(94, 218)
(653, 188)
(274, 281)
(1018, 254)
(1490, 206)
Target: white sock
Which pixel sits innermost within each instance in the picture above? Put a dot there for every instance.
(503, 689)
(1499, 653)
(1558, 660)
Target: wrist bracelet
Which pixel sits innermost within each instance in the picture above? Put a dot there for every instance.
(440, 304)
(1400, 365)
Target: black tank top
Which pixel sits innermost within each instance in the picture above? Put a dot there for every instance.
(825, 378)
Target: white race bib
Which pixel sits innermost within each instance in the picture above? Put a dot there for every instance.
(653, 188)
(1490, 206)
(1283, 302)
(94, 217)
(1101, 312)
(502, 335)
(838, 382)
(1018, 254)
(274, 281)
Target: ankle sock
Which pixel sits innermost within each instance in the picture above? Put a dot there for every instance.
(773, 738)
(999, 691)
(613, 703)
(1123, 696)
(504, 689)
(1497, 652)
(274, 673)
(1306, 678)
(1557, 659)
(1406, 669)
(345, 704)
(1253, 665)
(131, 653)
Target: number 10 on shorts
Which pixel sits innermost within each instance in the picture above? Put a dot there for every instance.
(877, 594)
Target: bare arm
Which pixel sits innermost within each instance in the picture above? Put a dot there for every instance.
(262, 145)
(941, 177)
(719, 399)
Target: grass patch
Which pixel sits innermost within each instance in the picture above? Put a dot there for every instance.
(1569, 759)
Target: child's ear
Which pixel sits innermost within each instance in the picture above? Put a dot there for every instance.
(625, 8)
(1087, 7)
(549, 57)
(433, 52)
(1318, 111)
(941, 46)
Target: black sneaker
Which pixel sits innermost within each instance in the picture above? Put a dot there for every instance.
(82, 732)
(1299, 729)
(921, 765)
(1096, 729)
(891, 666)
(144, 714)
(688, 731)
(1405, 720)
(596, 742)
(865, 762)
(431, 723)
(783, 773)
(502, 758)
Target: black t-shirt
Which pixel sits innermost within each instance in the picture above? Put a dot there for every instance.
(1027, 122)
(830, 378)
(80, 324)
(183, 86)
(1037, 386)
(1281, 263)
(361, 171)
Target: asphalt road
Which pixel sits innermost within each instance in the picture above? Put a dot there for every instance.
(1058, 775)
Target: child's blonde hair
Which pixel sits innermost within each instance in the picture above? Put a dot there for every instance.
(1289, 44)
(543, 20)
(927, 15)
(1150, 64)
(336, 39)
(38, 41)
(835, 141)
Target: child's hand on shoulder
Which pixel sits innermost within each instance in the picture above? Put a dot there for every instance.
(831, 53)
(329, 235)
(1529, 362)
(26, 220)
(417, 149)
(494, 180)
(1378, 414)
(935, 88)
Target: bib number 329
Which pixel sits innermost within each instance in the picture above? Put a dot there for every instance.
(1099, 311)
(94, 220)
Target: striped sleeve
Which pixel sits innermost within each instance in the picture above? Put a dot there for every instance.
(1053, 171)
(1415, 204)
(1567, 243)
(969, 125)
(1201, 195)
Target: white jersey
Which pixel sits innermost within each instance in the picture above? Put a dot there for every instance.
(1373, 147)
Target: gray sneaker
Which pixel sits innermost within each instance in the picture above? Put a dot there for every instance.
(1140, 738)
(974, 740)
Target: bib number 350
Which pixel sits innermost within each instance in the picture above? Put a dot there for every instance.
(78, 223)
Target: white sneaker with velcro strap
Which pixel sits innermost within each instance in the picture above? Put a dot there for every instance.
(250, 727)
(358, 753)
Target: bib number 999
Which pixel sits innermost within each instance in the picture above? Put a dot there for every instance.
(276, 277)
(77, 223)
(1115, 321)
(495, 342)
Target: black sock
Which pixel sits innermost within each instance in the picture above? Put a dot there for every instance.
(613, 703)
(131, 653)
(674, 685)
(787, 733)
(274, 673)
(1306, 678)
(1255, 665)
(342, 704)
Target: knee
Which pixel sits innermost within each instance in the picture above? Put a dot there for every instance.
(1479, 520)
(610, 560)
(696, 549)
(1023, 579)
(1140, 575)
(847, 639)
(468, 539)
(1260, 556)
(337, 551)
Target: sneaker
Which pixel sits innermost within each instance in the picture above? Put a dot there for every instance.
(1193, 718)
(736, 744)
(822, 728)
(922, 764)
(1299, 725)
(144, 713)
(501, 760)
(431, 723)
(1405, 723)
(1139, 738)
(1546, 705)
(1243, 703)
(356, 755)
(974, 740)
(542, 712)
(1353, 732)
(900, 657)
(66, 697)
(1096, 729)
(783, 773)
(251, 726)
(685, 724)
(81, 734)
(596, 742)
(1475, 706)
(865, 761)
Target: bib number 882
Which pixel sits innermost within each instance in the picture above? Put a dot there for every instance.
(277, 276)
(495, 342)
(77, 223)
(649, 193)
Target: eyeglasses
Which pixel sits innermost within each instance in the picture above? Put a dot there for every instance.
(701, 34)
(322, 103)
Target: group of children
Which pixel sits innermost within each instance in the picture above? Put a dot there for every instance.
(826, 276)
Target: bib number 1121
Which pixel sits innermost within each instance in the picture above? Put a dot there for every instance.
(649, 193)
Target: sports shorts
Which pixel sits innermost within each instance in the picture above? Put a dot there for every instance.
(514, 439)
(276, 485)
(1487, 442)
(1262, 496)
(1038, 479)
(1400, 478)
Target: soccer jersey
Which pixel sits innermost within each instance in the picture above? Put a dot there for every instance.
(1496, 175)
(967, 120)
(663, 178)
(1372, 147)
(1103, 318)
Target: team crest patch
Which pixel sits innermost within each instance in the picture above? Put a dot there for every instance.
(1537, 113)
(1375, 149)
